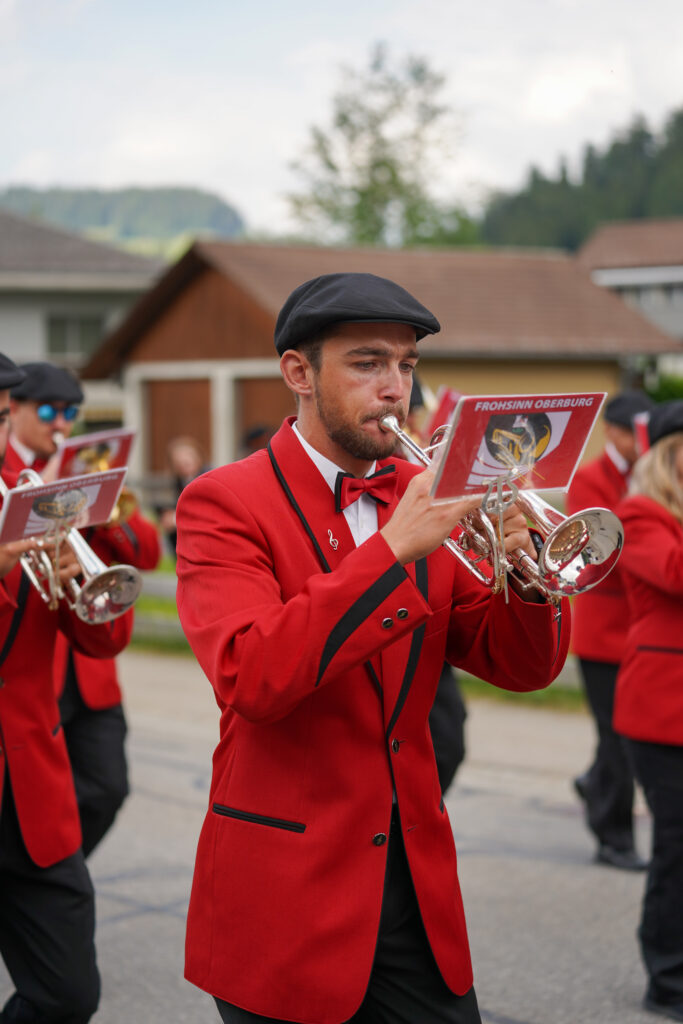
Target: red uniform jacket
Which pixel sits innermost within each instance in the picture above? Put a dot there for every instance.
(324, 681)
(600, 616)
(135, 542)
(31, 738)
(649, 696)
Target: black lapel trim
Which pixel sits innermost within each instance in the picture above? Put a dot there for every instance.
(299, 511)
(661, 650)
(367, 603)
(22, 593)
(325, 660)
(422, 581)
(130, 534)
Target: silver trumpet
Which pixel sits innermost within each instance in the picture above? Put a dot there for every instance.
(577, 552)
(107, 591)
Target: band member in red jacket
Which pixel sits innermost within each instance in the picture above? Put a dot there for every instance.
(45, 403)
(649, 698)
(47, 914)
(321, 606)
(599, 627)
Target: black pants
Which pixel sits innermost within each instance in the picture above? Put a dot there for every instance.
(405, 986)
(447, 727)
(609, 780)
(659, 769)
(47, 927)
(95, 741)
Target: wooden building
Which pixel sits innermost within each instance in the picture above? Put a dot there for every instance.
(195, 355)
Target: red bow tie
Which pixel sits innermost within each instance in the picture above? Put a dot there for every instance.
(381, 486)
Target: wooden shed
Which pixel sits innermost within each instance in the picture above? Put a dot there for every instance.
(195, 355)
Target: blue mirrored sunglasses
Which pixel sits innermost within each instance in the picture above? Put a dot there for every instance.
(48, 413)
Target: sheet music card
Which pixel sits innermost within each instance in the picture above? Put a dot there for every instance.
(533, 441)
(30, 511)
(101, 450)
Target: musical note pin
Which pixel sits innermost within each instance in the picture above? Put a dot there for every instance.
(334, 543)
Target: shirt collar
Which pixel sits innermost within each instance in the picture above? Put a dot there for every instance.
(619, 461)
(325, 466)
(25, 454)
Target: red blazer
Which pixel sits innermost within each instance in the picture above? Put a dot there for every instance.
(649, 695)
(600, 616)
(32, 740)
(133, 543)
(324, 681)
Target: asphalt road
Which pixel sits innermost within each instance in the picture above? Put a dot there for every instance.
(552, 934)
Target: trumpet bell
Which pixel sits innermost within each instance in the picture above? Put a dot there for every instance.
(108, 595)
(581, 551)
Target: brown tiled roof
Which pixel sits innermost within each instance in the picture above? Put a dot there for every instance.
(635, 243)
(489, 303)
(31, 247)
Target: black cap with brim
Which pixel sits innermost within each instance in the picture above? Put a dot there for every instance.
(665, 419)
(44, 382)
(10, 374)
(621, 409)
(348, 298)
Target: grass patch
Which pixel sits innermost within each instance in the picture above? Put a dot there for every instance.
(555, 697)
(151, 604)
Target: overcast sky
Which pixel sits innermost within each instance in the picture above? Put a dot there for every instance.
(220, 94)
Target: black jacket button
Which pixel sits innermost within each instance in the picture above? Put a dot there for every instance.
(402, 613)
(387, 623)
(380, 839)
(395, 746)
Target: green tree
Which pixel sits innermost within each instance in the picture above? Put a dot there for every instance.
(367, 178)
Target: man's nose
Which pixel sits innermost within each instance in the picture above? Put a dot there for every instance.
(392, 384)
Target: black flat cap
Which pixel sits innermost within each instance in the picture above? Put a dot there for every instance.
(44, 382)
(621, 409)
(10, 374)
(348, 298)
(666, 418)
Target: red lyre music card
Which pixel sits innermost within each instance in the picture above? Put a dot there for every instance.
(87, 453)
(535, 441)
(30, 511)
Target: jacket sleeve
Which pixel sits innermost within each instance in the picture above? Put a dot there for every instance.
(134, 542)
(653, 547)
(262, 653)
(101, 641)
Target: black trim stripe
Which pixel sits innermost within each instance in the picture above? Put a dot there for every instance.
(661, 650)
(258, 819)
(22, 594)
(299, 511)
(131, 535)
(422, 581)
(367, 603)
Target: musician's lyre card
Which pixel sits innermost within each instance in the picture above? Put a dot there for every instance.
(96, 452)
(535, 441)
(30, 511)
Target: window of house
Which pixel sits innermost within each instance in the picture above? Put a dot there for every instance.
(71, 339)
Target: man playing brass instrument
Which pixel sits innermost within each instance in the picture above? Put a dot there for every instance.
(47, 914)
(319, 601)
(44, 404)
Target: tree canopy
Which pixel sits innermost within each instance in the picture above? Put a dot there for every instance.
(366, 178)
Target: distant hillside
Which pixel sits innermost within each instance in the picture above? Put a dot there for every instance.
(146, 219)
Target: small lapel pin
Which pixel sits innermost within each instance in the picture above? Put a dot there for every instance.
(334, 543)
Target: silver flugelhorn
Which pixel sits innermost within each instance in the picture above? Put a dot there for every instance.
(578, 551)
(107, 591)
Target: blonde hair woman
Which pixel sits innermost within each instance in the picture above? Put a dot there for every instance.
(649, 698)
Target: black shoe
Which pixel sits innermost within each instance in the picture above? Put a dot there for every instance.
(581, 787)
(625, 860)
(674, 1011)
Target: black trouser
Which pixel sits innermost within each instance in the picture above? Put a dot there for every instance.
(659, 770)
(405, 983)
(447, 727)
(47, 927)
(95, 741)
(609, 781)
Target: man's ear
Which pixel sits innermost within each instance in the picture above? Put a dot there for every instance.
(297, 372)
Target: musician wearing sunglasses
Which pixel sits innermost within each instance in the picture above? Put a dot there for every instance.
(648, 706)
(44, 406)
(319, 601)
(47, 914)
